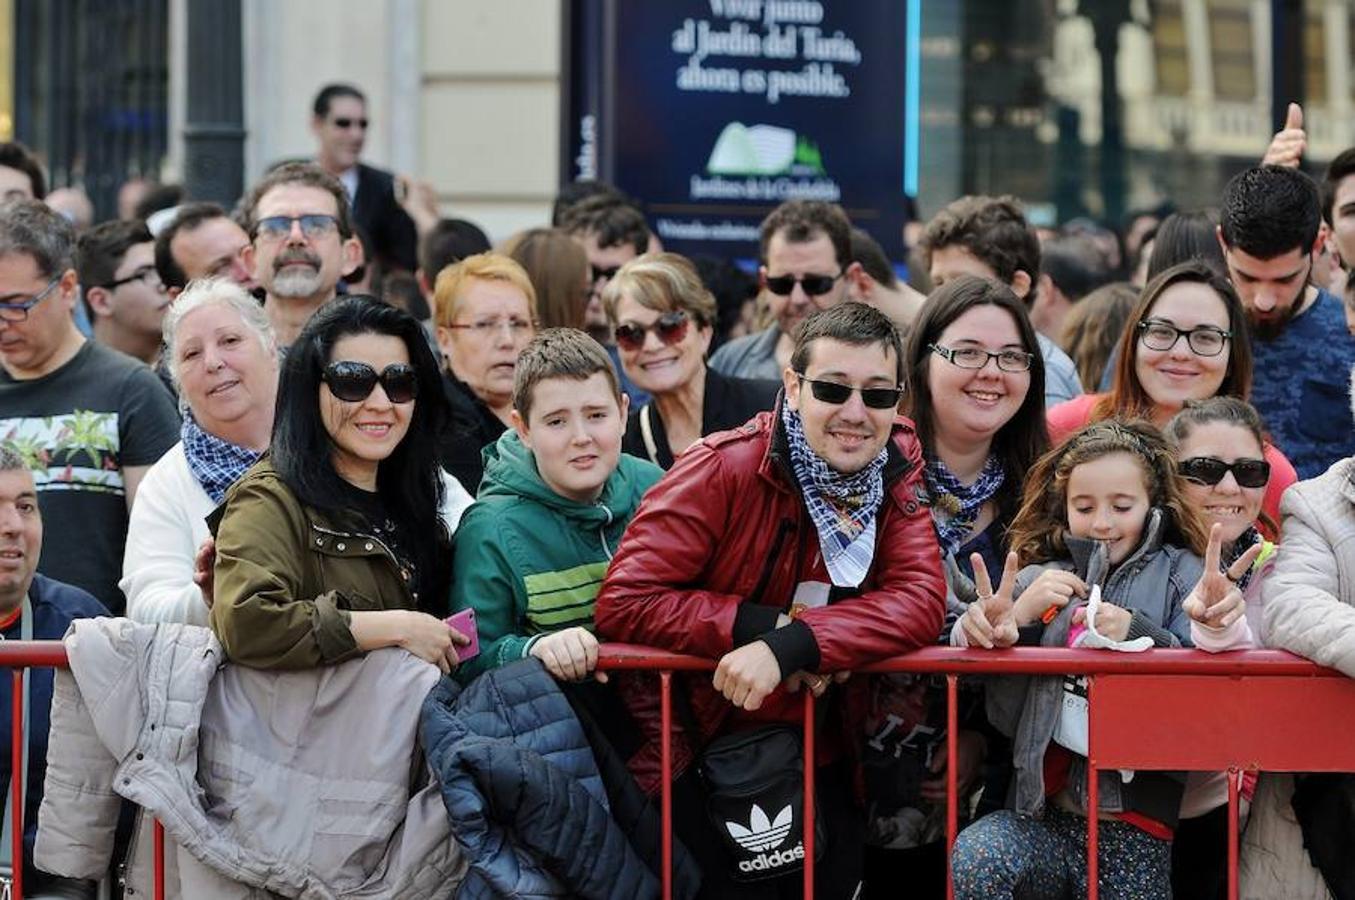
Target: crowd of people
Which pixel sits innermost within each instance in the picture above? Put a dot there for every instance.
(330, 432)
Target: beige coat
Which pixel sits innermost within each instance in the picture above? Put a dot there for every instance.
(1309, 610)
(297, 784)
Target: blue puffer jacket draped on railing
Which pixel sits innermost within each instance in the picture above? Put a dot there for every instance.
(523, 792)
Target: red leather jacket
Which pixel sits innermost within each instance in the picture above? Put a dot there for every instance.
(715, 553)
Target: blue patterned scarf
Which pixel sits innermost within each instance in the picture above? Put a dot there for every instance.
(214, 462)
(841, 506)
(955, 506)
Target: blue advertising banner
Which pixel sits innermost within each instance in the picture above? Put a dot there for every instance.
(712, 112)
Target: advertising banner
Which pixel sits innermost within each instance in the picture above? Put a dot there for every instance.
(712, 112)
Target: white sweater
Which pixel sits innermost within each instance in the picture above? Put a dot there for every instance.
(169, 523)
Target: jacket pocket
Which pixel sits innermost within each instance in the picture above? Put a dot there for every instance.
(1324, 411)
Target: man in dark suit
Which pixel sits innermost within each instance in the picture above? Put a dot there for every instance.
(340, 127)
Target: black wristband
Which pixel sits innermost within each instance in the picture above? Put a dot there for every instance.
(794, 647)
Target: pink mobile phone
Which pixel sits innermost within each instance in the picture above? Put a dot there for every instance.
(464, 622)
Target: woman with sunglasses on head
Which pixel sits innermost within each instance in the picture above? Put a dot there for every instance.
(486, 314)
(975, 380)
(663, 319)
(333, 545)
(1186, 340)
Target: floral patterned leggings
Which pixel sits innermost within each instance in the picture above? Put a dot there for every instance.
(1007, 855)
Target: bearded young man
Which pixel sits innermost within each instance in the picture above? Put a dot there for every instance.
(1302, 350)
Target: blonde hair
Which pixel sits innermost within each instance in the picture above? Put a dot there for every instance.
(454, 280)
(1037, 531)
(663, 282)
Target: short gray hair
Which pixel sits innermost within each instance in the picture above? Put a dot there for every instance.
(12, 460)
(220, 292)
(32, 228)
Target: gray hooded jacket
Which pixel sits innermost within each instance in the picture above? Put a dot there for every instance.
(292, 784)
(1152, 583)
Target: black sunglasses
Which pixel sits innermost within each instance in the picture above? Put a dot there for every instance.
(345, 122)
(353, 382)
(671, 327)
(1248, 473)
(838, 394)
(814, 285)
(600, 274)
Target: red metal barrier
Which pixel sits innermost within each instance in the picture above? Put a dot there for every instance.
(19, 656)
(1228, 712)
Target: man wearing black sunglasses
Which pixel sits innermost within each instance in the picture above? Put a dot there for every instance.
(806, 252)
(793, 550)
(339, 123)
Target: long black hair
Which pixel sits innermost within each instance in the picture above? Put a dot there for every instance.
(1023, 439)
(409, 481)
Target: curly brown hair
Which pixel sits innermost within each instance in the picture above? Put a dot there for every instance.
(1038, 530)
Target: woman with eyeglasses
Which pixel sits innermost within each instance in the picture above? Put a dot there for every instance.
(663, 319)
(1186, 339)
(486, 314)
(333, 544)
(975, 392)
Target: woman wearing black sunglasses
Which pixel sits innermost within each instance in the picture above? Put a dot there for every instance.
(1219, 448)
(662, 317)
(333, 545)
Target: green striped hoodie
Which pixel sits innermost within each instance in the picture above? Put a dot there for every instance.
(530, 561)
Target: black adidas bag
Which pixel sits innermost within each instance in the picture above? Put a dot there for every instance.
(754, 784)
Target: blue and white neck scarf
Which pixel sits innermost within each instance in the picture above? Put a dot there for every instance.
(955, 506)
(214, 462)
(842, 507)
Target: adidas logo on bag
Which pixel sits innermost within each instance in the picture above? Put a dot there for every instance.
(763, 834)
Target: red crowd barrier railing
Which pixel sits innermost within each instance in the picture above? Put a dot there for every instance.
(1185, 710)
(1259, 710)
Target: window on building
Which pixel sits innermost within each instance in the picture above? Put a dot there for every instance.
(1169, 49)
(1230, 45)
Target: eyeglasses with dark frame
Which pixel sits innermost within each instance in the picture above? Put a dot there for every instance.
(18, 312)
(143, 275)
(838, 394)
(814, 285)
(1203, 340)
(313, 226)
(353, 382)
(977, 357)
(671, 328)
(1209, 470)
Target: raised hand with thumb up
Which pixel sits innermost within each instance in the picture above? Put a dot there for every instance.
(1290, 143)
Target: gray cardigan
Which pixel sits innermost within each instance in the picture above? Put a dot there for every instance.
(1152, 583)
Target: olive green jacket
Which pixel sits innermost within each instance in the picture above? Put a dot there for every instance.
(287, 577)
